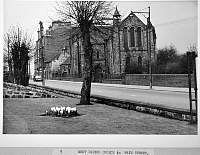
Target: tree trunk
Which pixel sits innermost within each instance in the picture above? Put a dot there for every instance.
(15, 57)
(24, 66)
(87, 71)
(11, 78)
(79, 59)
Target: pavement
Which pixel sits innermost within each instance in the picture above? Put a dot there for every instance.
(158, 88)
(165, 96)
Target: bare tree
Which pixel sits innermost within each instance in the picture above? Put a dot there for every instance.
(85, 14)
(18, 45)
(192, 48)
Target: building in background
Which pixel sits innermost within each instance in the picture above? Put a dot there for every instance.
(118, 48)
(55, 46)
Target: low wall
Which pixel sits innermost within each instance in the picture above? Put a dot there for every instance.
(165, 80)
(113, 81)
(11, 90)
(66, 78)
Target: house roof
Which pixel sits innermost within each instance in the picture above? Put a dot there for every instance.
(58, 21)
(66, 62)
(51, 55)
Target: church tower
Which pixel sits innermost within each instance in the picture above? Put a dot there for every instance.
(116, 17)
(116, 42)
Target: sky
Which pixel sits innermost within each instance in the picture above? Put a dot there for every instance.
(175, 21)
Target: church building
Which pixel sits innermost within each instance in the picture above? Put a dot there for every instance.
(126, 46)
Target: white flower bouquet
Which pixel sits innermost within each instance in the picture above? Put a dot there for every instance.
(62, 111)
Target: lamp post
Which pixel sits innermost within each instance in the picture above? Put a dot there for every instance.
(41, 48)
(148, 35)
(149, 26)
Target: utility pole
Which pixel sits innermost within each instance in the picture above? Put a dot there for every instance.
(148, 35)
(41, 48)
(149, 49)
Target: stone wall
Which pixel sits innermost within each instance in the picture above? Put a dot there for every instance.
(165, 80)
(11, 90)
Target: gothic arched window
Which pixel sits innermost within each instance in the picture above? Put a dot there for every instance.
(139, 61)
(125, 36)
(139, 39)
(132, 37)
(140, 64)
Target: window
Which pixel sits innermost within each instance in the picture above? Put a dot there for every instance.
(64, 50)
(97, 54)
(125, 36)
(132, 37)
(139, 40)
(139, 64)
(139, 61)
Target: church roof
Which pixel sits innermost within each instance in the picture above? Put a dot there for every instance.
(116, 13)
(51, 55)
(66, 62)
(132, 15)
(58, 21)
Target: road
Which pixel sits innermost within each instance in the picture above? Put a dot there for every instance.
(165, 97)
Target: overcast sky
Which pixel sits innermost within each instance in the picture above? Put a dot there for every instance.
(175, 21)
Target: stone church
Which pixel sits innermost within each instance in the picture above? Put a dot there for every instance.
(121, 48)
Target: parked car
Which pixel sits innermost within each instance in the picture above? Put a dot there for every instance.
(37, 78)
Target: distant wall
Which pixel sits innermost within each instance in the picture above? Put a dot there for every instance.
(165, 80)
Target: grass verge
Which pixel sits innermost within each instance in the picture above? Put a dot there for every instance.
(23, 116)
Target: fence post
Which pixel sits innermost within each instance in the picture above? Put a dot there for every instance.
(189, 84)
(195, 80)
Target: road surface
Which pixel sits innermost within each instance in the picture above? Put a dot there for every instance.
(176, 99)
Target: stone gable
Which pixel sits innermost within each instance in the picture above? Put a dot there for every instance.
(132, 20)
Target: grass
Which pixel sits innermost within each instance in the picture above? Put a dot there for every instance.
(23, 116)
